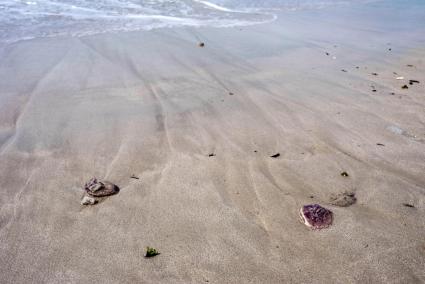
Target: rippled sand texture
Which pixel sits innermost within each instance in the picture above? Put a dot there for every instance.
(155, 105)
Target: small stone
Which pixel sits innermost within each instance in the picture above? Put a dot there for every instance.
(201, 44)
(151, 252)
(88, 200)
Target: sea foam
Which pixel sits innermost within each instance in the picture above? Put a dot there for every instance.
(47, 18)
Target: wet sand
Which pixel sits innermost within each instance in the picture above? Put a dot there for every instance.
(155, 105)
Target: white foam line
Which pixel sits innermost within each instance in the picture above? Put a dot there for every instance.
(217, 7)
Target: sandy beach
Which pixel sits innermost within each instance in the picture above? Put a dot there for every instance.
(198, 126)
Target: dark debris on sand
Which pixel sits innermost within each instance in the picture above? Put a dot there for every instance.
(151, 252)
(277, 155)
(343, 199)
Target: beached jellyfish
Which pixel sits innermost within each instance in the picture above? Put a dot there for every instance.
(315, 216)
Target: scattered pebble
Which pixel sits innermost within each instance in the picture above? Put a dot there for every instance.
(411, 82)
(375, 74)
(275, 155)
(88, 200)
(231, 94)
(408, 205)
(211, 155)
(344, 174)
(201, 44)
(343, 70)
(380, 144)
(151, 252)
(404, 87)
(134, 177)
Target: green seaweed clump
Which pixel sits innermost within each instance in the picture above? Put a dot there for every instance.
(151, 252)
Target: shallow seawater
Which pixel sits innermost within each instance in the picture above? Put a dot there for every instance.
(46, 18)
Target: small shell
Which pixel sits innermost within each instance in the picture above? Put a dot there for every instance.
(93, 185)
(107, 189)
